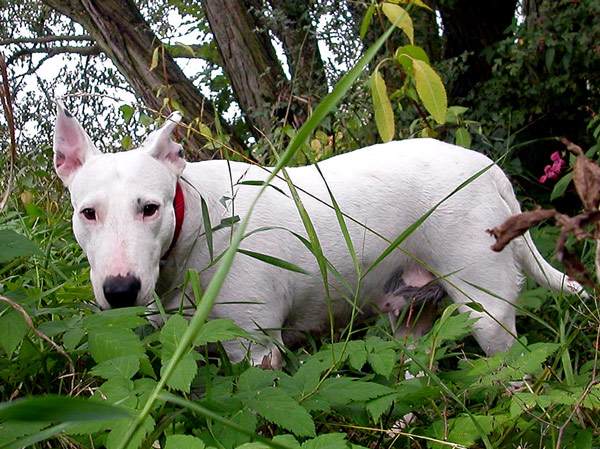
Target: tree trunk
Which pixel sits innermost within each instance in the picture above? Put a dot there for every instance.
(249, 59)
(471, 26)
(123, 34)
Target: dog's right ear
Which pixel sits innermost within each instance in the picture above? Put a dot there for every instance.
(72, 146)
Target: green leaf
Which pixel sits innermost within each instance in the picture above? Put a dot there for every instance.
(184, 442)
(344, 390)
(112, 342)
(462, 138)
(170, 336)
(400, 18)
(219, 330)
(431, 90)
(59, 409)
(384, 115)
(127, 112)
(407, 53)
(561, 186)
(115, 437)
(378, 406)
(11, 431)
(254, 379)
(276, 406)
(364, 25)
(125, 367)
(287, 440)
(13, 245)
(357, 354)
(126, 317)
(327, 441)
(14, 328)
(275, 261)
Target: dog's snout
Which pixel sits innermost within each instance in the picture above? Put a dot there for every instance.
(121, 291)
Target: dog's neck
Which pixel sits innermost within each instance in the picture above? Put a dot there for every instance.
(179, 208)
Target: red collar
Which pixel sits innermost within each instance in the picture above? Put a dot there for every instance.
(179, 207)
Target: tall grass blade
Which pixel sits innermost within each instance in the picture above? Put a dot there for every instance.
(210, 295)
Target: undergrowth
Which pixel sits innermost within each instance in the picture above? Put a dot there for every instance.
(342, 393)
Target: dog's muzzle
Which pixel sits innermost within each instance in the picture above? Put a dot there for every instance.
(121, 291)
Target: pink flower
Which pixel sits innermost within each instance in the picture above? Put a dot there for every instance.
(552, 171)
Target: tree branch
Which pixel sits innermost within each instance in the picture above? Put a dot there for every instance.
(45, 39)
(89, 50)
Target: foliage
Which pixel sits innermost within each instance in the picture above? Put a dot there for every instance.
(542, 76)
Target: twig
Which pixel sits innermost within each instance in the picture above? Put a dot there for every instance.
(44, 39)
(29, 323)
(8, 111)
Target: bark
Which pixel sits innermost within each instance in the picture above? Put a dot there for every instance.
(249, 59)
(297, 33)
(124, 36)
(471, 26)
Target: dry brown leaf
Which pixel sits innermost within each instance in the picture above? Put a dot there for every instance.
(518, 225)
(586, 177)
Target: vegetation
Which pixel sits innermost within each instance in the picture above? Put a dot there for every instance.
(501, 77)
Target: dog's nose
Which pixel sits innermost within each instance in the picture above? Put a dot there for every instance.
(121, 291)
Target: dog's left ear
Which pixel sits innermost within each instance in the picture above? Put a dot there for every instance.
(72, 146)
(161, 147)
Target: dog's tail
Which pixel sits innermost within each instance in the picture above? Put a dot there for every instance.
(527, 255)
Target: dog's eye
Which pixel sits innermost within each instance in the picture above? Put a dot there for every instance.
(150, 210)
(89, 214)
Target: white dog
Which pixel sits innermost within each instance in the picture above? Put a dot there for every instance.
(125, 220)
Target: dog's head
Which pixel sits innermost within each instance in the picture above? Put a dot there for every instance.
(123, 214)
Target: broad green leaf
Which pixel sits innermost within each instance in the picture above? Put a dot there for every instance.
(382, 362)
(561, 186)
(219, 330)
(400, 18)
(115, 437)
(344, 390)
(59, 409)
(384, 115)
(229, 437)
(327, 441)
(170, 336)
(287, 440)
(126, 317)
(125, 367)
(378, 406)
(184, 442)
(357, 354)
(407, 53)
(127, 112)
(275, 261)
(110, 343)
(14, 328)
(431, 90)
(462, 138)
(276, 406)
(13, 245)
(254, 379)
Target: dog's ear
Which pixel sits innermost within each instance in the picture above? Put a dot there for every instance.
(160, 145)
(72, 146)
